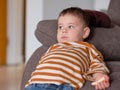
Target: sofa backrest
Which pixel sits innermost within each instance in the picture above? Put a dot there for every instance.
(114, 11)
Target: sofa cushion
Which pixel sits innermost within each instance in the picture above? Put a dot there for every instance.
(99, 19)
(46, 32)
(114, 11)
(107, 40)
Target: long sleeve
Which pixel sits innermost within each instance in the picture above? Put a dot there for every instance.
(97, 64)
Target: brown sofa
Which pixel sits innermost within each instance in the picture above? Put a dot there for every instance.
(107, 40)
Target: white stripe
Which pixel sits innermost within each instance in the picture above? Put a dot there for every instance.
(93, 51)
(77, 44)
(99, 69)
(68, 58)
(65, 62)
(49, 77)
(70, 53)
(80, 67)
(58, 72)
(57, 77)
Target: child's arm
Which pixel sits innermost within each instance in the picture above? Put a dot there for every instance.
(101, 81)
(96, 82)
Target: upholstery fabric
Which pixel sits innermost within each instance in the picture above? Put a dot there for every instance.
(114, 11)
(98, 19)
(108, 42)
(47, 34)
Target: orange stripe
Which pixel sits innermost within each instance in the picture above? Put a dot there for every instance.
(60, 69)
(55, 75)
(65, 64)
(87, 60)
(62, 64)
(77, 53)
(66, 55)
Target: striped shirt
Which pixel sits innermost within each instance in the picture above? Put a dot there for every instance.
(69, 63)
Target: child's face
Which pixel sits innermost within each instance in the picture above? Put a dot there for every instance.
(70, 29)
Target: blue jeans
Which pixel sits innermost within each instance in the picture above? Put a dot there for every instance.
(49, 87)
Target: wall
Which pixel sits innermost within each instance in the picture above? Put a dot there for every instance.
(14, 31)
(53, 7)
(101, 4)
(34, 13)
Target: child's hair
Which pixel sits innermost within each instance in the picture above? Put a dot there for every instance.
(78, 12)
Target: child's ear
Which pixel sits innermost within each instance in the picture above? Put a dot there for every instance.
(86, 32)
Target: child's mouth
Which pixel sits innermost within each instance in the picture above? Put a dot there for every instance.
(64, 37)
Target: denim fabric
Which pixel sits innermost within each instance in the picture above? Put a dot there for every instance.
(49, 87)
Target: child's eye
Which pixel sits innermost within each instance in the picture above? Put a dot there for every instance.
(60, 27)
(71, 27)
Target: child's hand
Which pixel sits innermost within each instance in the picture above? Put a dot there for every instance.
(101, 81)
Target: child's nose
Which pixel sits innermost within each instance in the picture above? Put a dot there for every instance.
(64, 30)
